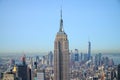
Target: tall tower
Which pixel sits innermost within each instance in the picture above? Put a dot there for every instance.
(23, 59)
(89, 50)
(61, 54)
(118, 73)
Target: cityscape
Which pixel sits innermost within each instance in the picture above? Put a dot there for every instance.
(62, 61)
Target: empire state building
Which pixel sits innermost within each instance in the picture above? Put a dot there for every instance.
(61, 54)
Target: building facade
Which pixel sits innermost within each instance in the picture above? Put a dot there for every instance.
(89, 50)
(61, 54)
(9, 76)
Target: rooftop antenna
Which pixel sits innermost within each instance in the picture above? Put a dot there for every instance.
(61, 20)
(61, 5)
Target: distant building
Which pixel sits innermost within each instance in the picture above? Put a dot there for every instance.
(95, 78)
(9, 76)
(113, 74)
(71, 59)
(50, 58)
(72, 56)
(98, 59)
(22, 71)
(61, 54)
(85, 57)
(40, 75)
(81, 56)
(118, 72)
(76, 55)
(35, 64)
(37, 59)
(12, 62)
(111, 63)
(89, 50)
(23, 59)
(106, 62)
(43, 60)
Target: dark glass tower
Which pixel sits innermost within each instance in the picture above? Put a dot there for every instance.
(89, 50)
(118, 72)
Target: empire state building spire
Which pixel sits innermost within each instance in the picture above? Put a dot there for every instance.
(61, 54)
(61, 23)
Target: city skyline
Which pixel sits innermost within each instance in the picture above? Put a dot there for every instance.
(30, 26)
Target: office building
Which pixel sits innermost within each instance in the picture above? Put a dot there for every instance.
(9, 76)
(118, 72)
(61, 54)
(76, 55)
(89, 50)
(50, 58)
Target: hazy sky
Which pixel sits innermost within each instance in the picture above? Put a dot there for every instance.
(31, 25)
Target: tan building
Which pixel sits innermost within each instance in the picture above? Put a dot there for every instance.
(8, 76)
(61, 54)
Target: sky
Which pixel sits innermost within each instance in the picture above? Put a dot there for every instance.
(31, 25)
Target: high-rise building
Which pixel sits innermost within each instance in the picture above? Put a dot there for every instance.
(41, 75)
(113, 74)
(98, 59)
(81, 57)
(118, 72)
(12, 62)
(61, 54)
(23, 72)
(23, 59)
(9, 76)
(89, 50)
(50, 58)
(85, 57)
(76, 55)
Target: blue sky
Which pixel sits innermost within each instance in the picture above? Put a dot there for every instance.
(31, 25)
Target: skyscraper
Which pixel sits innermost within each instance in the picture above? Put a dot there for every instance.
(22, 71)
(50, 58)
(61, 54)
(118, 72)
(76, 55)
(89, 50)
